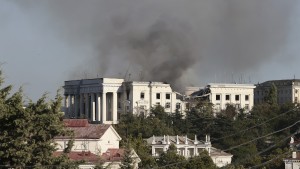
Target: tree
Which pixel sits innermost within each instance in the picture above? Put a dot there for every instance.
(171, 160)
(203, 161)
(27, 133)
(272, 96)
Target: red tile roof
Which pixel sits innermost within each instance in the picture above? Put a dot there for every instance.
(78, 156)
(109, 155)
(76, 122)
(83, 130)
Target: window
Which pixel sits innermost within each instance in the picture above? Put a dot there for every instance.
(178, 105)
(296, 99)
(247, 97)
(157, 95)
(218, 97)
(168, 105)
(227, 97)
(237, 106)
(157, 103)
(168, 96)
(237, 97)
(246, 106)
(218, 107)
(142, 95)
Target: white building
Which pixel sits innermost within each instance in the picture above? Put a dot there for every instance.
(188, 148)
(288, 91)
(104, 99)
(221, 94)
(96, 138)
(294, 161)
(93, 143)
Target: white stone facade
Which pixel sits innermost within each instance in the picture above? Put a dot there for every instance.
(221, 94)
(288, 91)
(104, 99)
(109, 139)
(189, 148)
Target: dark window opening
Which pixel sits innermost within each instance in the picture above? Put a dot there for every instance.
(227, 97)
(157, 95)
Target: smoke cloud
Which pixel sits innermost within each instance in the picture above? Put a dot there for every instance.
(175, 41)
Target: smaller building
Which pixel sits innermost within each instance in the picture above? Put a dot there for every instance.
(188, 148)
(221, 94)
(96, 144)
(294, 161)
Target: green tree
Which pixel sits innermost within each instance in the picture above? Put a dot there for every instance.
(27, 133)
(171, 160)
(203, 161)
(272, 96)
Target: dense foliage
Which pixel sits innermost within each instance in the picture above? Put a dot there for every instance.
(256, 138)
(26, 138)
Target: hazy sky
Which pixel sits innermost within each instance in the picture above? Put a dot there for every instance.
(186, 43)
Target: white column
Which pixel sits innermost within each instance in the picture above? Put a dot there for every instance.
(93, 107)
(66, 104)
(98, 109)
(115, 108)
(86, 103)
(76, 105)
(81, 104)
(104, 107)
(153, 151)
(70, 106)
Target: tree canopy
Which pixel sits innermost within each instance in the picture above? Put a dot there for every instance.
(27, 133)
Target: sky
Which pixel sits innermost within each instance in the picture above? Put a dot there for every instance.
(185, 43)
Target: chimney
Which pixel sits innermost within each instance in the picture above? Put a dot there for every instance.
(186, 140)
(153, 141)
(294, 154)
(196, 141)
(177, 140)
(168, 139)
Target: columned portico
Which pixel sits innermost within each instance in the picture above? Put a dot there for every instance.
(93, 99)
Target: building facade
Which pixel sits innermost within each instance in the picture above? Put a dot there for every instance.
(294, 161)
(103, 100)
(288, 91)
(220, 95)
(94, 144)
(188, 148)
